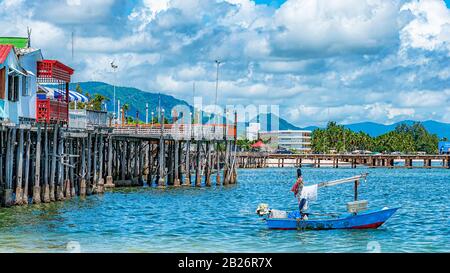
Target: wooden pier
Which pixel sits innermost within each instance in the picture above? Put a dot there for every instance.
(266, 160)
(47, 163)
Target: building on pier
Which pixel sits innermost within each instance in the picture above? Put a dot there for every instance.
(28, 58)
(13, 84)
(53, 109)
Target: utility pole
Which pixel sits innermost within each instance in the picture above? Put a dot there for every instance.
(73, 34)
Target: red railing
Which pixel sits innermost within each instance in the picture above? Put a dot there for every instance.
(51, 111)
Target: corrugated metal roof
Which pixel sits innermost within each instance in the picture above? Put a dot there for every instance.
(4, 52)
(18, 42)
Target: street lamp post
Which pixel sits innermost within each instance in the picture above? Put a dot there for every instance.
(152, 119)
(216, 107)
(146, 113)
(217, 88)
(114, 67)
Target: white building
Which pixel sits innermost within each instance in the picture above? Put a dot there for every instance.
(294, 140)
(251, 132)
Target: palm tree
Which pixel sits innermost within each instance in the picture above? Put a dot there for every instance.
(97, 102)
(125, 109)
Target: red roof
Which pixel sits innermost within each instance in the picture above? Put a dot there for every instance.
(4, 52)
(258, 144)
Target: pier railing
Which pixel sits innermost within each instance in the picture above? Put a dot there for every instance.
(179, 131)
(51, 111)
(83, 119)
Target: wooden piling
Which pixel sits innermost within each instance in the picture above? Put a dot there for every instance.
(19, 169)
(83, 171)
(176, 182)
(37, 173)
(161, 181)
(101, 181)
(208, 165)
(89, 164)
(187, 164)
(218, 163)
(66, 160)
(60, 183)
(95, 164)
(109, 178)
(226, 167)
(72, 168)
(46, 188)
(141, 156)
(7, 191)
(150, 164)
(27, 167)
(53, 167)
(198, 168)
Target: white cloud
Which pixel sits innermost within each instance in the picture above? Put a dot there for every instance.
(430, 28)
(323, 27)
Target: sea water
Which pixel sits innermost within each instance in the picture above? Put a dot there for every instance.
(223, 219)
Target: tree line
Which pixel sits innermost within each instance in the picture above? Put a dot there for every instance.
(405, 139)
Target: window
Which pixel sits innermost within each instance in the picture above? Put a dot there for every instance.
(13, 87)
(25, 86)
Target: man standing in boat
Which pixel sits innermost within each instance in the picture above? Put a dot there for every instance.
(297, 189)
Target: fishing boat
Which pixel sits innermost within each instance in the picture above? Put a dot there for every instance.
(358, 216)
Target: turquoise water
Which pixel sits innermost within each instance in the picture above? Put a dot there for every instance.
(223, 220)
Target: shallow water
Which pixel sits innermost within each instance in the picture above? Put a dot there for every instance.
(223, 220)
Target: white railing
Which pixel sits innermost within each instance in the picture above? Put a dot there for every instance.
(179, 131)
(82, 119)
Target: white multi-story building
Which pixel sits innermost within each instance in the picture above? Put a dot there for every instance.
(251, 132)
(294, 140)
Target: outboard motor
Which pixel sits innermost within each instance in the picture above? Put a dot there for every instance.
(263, 209)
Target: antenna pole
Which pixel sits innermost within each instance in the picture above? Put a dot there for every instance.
(29, 37)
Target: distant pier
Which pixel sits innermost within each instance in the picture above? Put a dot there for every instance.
(266, 160)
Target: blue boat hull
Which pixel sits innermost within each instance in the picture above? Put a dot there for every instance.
(363, 220)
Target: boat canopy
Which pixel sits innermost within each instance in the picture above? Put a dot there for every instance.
(56, 93)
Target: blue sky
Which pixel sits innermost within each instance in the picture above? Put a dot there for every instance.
(346, 60)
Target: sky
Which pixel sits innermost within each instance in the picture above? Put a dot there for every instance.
(348, 60)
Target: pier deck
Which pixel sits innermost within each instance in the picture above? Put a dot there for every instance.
(52, 162)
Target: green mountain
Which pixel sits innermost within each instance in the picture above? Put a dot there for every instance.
(136, 99)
